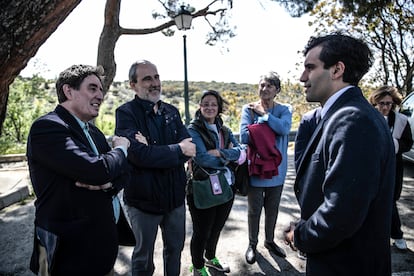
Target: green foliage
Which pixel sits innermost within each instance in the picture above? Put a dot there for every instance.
(33, 97)
(389, 32)
(236, 95)
(28, 98)
(297, 8)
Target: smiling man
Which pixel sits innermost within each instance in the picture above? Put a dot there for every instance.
(75, 174)
(160, 145)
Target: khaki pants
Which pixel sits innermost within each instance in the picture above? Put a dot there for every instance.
(43, 266)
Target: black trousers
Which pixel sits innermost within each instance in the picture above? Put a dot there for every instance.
(207, 226)
(396, 232)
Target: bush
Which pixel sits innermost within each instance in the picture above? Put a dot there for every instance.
(30, 98)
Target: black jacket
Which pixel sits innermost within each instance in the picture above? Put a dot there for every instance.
(158, 179)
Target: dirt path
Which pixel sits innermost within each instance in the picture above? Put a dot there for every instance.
(16, 227)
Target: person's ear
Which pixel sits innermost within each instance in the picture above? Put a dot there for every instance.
(67, 90)
(337, 70)
(278, 90)
(132, 84)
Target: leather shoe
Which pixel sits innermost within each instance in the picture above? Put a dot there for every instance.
(251, 255)
(272, 247)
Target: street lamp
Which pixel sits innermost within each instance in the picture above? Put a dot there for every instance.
(183, 22)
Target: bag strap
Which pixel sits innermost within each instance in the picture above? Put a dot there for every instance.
(214, 173)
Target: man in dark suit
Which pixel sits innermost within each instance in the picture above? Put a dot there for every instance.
(75, 178)
(345, 169)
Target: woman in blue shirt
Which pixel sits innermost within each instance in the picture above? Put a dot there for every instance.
(266, 192)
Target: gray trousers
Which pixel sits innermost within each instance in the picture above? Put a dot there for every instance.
(257, 198)
(145, 228)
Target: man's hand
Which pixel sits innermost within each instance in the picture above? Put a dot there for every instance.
(187, 147)
(289, 234)
(120, 141)
(94, 187)
(141, 138)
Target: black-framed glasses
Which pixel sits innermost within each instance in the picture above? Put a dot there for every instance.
(385, 103)
(206, 105)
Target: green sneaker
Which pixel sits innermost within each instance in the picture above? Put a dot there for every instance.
(215, 264)
(199, 272)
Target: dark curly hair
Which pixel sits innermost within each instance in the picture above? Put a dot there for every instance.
(74, 76)
(354, 53)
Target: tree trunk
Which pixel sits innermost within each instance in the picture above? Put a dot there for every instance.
(110, 34)
(24, 27)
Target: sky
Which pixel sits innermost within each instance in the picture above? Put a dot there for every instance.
(268, 38)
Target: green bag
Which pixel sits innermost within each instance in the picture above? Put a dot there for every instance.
(212, 191)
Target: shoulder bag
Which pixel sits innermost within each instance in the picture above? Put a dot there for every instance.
(242, 178)
(211, 191)
(241, 172)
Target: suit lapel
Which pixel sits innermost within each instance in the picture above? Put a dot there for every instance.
(353, 92)
(314, 139)
(75, 127)
(99, 140)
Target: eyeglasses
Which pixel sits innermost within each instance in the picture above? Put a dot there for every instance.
(385, 103)
(206, 105)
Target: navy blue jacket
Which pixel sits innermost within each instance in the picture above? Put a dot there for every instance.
(158, 179)
(344, 186)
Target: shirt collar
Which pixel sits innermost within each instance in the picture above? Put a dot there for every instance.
(149, 106)
(333, 99)
(81, 123)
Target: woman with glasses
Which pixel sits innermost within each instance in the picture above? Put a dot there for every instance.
(217, 149)
(385, 99)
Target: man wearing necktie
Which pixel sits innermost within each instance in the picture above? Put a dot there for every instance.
(343, 173)
(115, 201)
(75, 175)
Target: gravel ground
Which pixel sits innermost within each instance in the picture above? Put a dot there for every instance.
(16, 231)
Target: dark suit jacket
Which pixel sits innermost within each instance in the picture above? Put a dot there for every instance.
(344, 191)
(59, 154)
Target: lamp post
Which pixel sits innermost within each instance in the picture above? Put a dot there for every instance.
(183, 22)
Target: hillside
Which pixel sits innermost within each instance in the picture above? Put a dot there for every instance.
(32, 97)
(235, 93)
